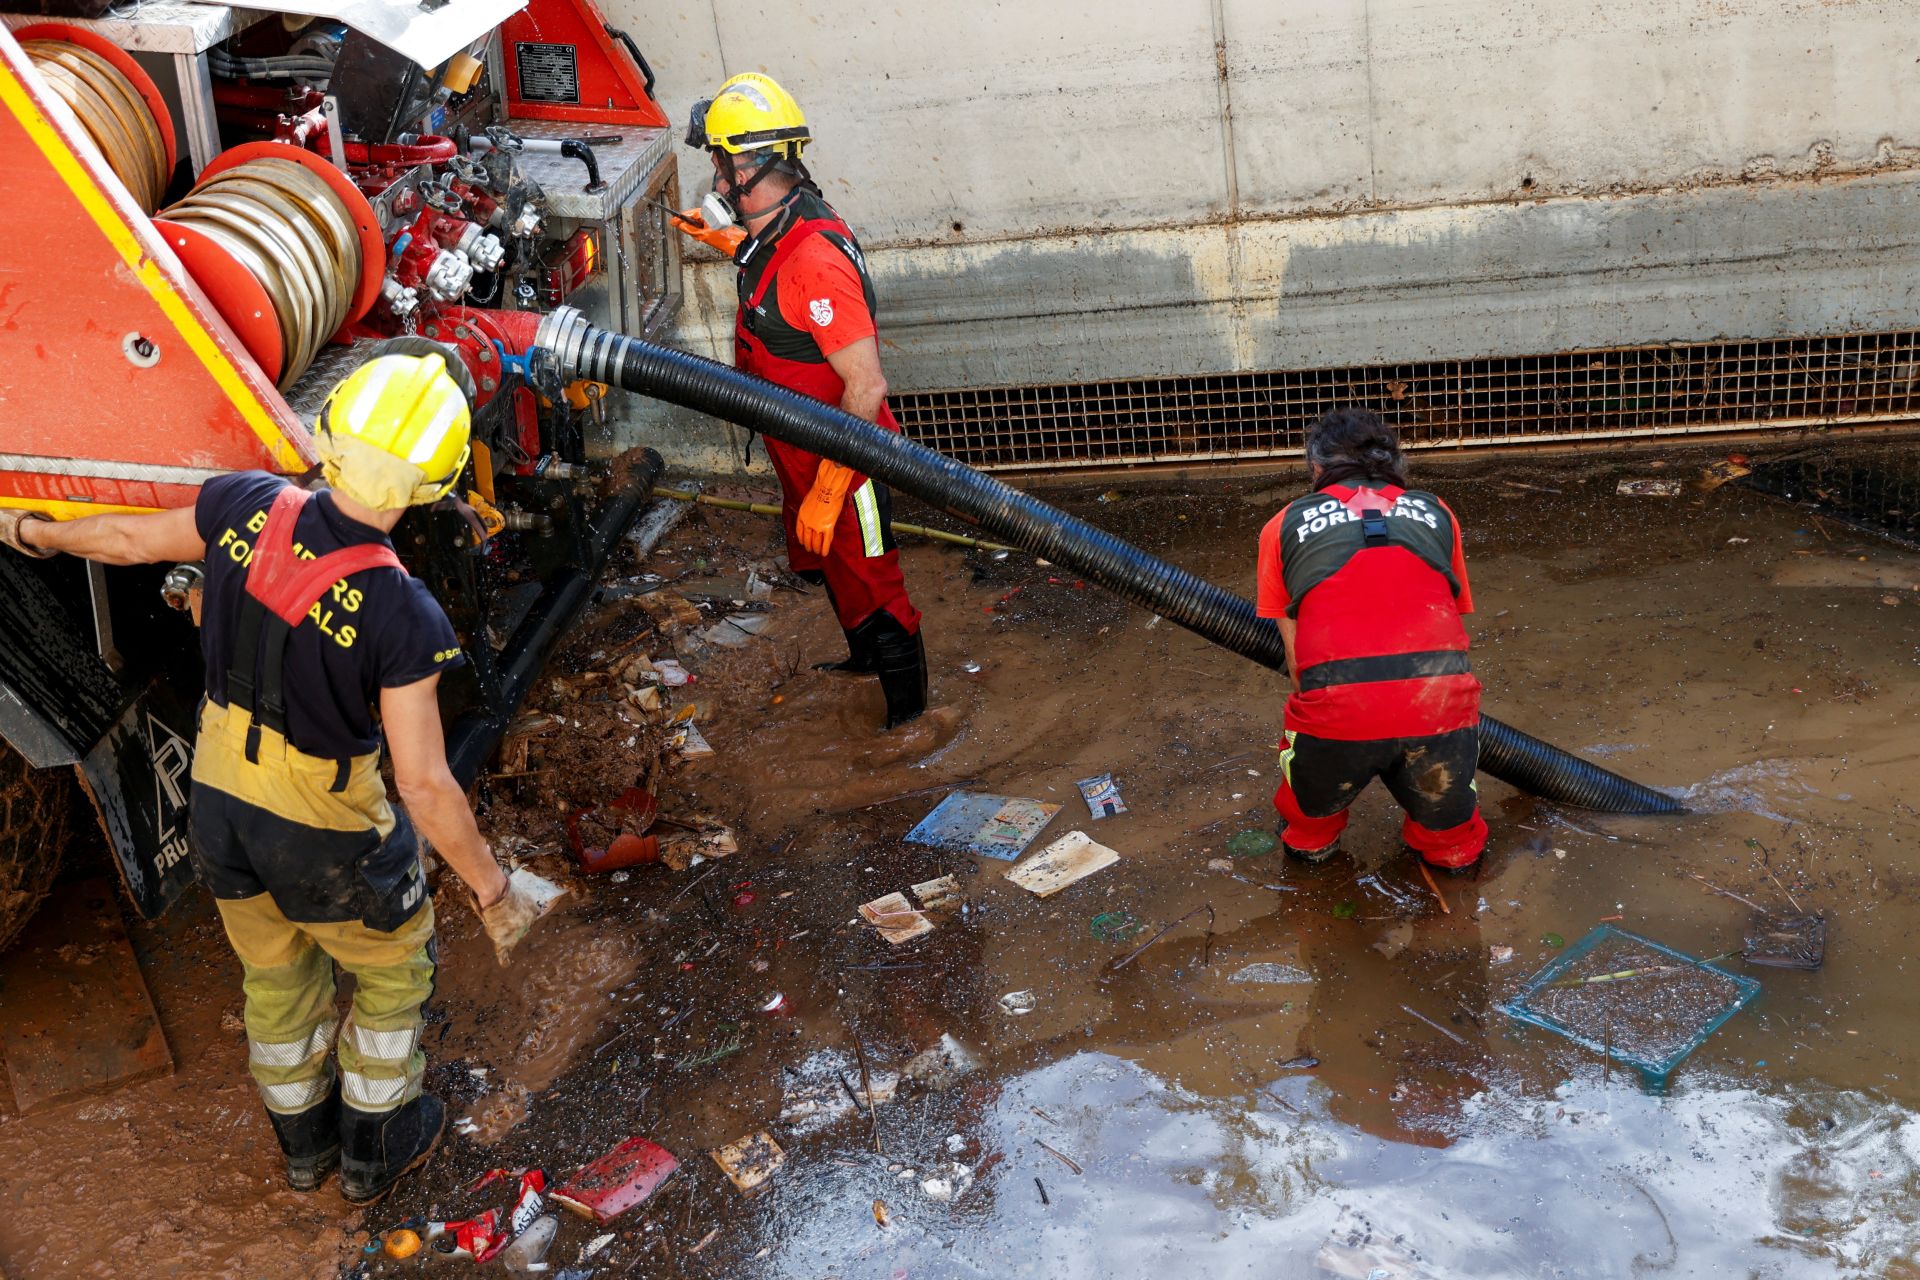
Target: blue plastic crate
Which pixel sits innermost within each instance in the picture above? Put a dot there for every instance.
(1652, 1041)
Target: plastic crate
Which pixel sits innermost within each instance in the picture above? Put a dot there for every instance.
(1649, 1022)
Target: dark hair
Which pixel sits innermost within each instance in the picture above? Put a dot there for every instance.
(1354, 444)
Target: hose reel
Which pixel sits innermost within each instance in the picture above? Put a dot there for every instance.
(116, 102)
(285, 246)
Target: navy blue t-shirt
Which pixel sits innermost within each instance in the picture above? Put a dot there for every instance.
(372, 630)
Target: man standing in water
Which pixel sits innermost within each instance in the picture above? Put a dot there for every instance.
(309, 618)
(806, 322)
(1368, 583)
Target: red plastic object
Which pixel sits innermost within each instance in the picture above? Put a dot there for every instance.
(625, 851)
(608, 87)
(618, 1180)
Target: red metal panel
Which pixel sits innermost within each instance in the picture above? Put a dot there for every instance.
(610, 88)
(115, 371)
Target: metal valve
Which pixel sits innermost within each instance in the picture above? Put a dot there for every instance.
(447, 279)
(482, 249)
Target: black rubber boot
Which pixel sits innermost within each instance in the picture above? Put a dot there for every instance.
(903, 668)
(310, 1140)
(1312, 857)
(377, 1147)
(861, 660)
(861, 657)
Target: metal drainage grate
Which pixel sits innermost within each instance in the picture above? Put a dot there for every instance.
(1571, 395)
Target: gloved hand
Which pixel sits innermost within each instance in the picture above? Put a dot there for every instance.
(690, 223)
(10, 522)
(528, 897)
(820, 509)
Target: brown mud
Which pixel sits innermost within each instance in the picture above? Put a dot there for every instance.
(1200, 1105)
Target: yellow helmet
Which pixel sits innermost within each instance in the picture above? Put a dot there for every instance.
(394, 432)
(751, 112)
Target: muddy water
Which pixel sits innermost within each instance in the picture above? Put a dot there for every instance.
(1382, 1118)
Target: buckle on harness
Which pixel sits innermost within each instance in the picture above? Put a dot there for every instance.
(1373, 529)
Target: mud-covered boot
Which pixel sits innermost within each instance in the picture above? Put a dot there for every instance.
(861, 657)
(377, 1147)
(903, 670)
(310, 1140)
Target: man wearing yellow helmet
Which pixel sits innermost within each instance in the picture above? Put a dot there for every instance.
(805, 321)
(308, 619)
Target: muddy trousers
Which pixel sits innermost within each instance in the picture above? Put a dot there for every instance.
(311, 867)
(1431, 777)
(861, 569)
(290, 1011)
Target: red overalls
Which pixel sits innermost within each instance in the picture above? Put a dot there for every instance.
(862, 565)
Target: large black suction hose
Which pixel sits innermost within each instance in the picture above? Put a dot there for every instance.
(583, 351)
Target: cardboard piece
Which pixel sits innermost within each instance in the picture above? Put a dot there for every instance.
(75, 1016)
(992, 826)
(939, 894)
(748, 1162)
(896, 919)
(617, 1181)
(1072, 857)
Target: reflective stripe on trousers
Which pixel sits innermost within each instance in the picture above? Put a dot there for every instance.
(291, 1022)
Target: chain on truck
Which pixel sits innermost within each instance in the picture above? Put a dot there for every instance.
(216, 214)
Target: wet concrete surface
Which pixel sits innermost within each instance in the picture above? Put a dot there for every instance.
(1382, 1119)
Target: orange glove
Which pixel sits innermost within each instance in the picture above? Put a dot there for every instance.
(726, 239)
(820, 509)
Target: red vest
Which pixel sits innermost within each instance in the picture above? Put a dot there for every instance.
(764, 344)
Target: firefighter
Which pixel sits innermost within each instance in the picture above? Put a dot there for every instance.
(806, 322)
(1368, 583)
(308, 863)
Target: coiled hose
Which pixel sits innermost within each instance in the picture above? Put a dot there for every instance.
(583, 351)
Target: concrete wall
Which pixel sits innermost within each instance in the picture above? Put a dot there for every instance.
(1104, 188)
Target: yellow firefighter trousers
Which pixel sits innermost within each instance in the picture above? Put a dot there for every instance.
(298, 868)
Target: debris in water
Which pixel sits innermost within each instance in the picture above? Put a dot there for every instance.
(1552, 940)
(939, 894)
(689, 741)
(1786, 942)
(882, 1216)
(1116, 926)
(592, 1248)
(992, 826)
(1252, 844)
(950, 1186)
(1346, 909)
(1445, 1031)
(1102, 794)
(941, 1065)
(1269, 973)
(1648, 488)
(1305, 1062)
(671, 673)
(1043, 1191)
(401, 1244)
(776, 1006)
(896, 919)
(701, 841)
(1206, 956)
(475, 1239)
(1018, 1002)
(1499, 954)
(1652, 1023)
(1059, 1155)
(724, 1043)
(607, 1187)
(748, 1162)
(1071, 858)
(527, 1255)
(877, 1090)
(1439, 897)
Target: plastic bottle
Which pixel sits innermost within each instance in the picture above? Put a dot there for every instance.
(529, 1249)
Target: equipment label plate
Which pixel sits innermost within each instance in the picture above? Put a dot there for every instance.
(548, 72)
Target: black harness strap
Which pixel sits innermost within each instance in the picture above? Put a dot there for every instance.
(1373, 528)
(1386, 666)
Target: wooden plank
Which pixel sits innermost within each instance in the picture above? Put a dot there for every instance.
(75, 1016)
